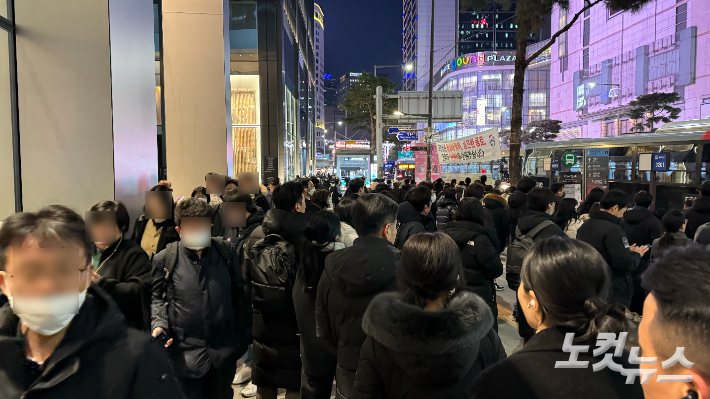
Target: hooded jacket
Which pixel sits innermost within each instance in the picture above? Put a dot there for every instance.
(697, 215)
(411, 223)
(446, 207)
(125, 275)
(414, 353)
(352, 277)
(529, 219)
(602, 231)
(277, 356)
(317, 355)
(98, 358)
(481, 262)
(531, 373)
(641, 226)
(496, 206)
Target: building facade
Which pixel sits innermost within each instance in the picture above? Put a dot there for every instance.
(486, 79)
(319, 29)
(331, 90)
(347, 81)
(607, 59)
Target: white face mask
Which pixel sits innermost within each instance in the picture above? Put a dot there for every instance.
(49, 314)
(202, 199)
(196, 240)
(311, 191)
(433, 198)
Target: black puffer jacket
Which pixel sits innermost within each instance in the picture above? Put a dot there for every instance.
(413, 353)
(98, 358)
(697, 215)
(352, 277)
(277, 355)
(517, 202)
(641, 227)
(317, 354)
(496, 207)
(411, 223)
(446, 208)
(480, 260)
(202, 307)
(125, 275)
(602, 231)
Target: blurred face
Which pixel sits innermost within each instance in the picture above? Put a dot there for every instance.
(234, 214)
(215, 184)
(248, 182)
(195, 232)
(35, 272)
(103, 232)
(156, 205)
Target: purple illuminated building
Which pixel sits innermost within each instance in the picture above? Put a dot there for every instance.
(608, 59)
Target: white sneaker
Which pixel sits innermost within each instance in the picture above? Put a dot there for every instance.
(249, 391)
(242, 376)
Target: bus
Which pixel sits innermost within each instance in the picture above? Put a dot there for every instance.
(680, 152)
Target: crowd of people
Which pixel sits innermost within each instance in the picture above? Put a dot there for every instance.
(386, 291)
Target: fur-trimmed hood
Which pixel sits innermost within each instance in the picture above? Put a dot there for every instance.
(491, 199)
(430, 346)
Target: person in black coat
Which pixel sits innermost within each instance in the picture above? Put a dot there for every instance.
(155, 229)
(481, 262)
(121, 267)
(497, 206)
(517, 202)
(317, 355)
(414, 215)
(276, 344)
(699, 213)
(564, 286)
(431, 339)
(84, 349)
(352, 277)
(477, 190)
(446, 208)
(539, 209)
(198, 305)
(641, 227)
(602, 231)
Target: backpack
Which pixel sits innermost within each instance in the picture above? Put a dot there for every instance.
(517, 251)
(272, 273)
(171, 260)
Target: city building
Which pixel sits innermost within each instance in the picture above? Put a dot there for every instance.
(486, 79)
(607, 59)
(347, 81)
(492, 28)
(319, 30)
(331, 90)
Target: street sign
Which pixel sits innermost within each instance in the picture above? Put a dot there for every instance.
(660, 162)
(569, 159)
(555, 164)
(393, 130)
(405, 155)
(407, 136)
(597, 168)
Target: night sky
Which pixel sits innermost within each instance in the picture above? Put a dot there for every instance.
(362, 33)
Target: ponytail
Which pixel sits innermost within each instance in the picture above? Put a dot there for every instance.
(601, 318)
(665, 240)
(417, 295)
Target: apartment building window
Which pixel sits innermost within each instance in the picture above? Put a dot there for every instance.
(585, 59)
(562, 42)
(585, 36)
(681, 17)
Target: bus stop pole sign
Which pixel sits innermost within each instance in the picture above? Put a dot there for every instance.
(660, 162)
(569, 159)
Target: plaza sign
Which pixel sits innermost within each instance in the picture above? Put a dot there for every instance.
(484, 59)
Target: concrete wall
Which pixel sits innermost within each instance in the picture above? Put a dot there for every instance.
(7, 176)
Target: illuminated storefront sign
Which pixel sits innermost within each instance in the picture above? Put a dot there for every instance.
(352, 144)
(479, 59)
(320, 125)
(355, 74)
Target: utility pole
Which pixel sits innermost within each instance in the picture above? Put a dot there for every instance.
(378, 134)
(431, 95)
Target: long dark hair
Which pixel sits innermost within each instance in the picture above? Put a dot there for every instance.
(323, 228)
(595, 195)
(571, 282)
(672, 222)
(344, 210)
(470, 210)
(430, 265)
(565, 212)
